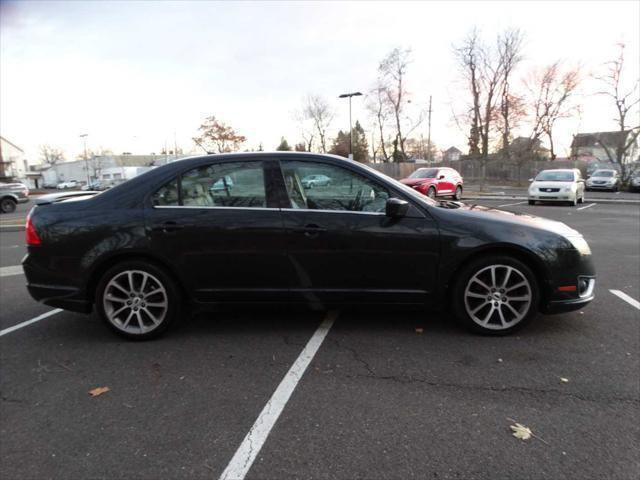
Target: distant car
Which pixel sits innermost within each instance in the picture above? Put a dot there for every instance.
(436, 182)
(558, 185)
(634, 183)
(319, 180)
(96, 186)
(65, 185)
(604, 180)
(11, 194)
(225, 183)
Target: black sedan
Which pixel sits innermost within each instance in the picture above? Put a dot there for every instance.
(144, 250)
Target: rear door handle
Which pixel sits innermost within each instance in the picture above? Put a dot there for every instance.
(167, 227)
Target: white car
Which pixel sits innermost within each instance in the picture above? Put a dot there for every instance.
(561, 185)
(604, 180)
(65, 185)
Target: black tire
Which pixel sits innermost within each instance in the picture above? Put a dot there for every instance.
(460, 306)
(8, 205)
(532, 202)
(458, 194)
(431, 193)
(159, 275)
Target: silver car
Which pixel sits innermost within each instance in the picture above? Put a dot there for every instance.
(11, 194)
(604, 179)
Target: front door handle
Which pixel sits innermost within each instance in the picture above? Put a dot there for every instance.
(167, 227)
(311, 230)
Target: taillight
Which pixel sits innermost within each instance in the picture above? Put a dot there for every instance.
(32, 237)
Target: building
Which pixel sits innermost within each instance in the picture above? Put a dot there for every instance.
(452, 154)
(13, 162)
(593, 147)
(528, 148)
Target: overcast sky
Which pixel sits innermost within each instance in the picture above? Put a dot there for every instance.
(131, 73)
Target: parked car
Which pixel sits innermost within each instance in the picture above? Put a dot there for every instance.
(141, 251)
(225, 183)
(634, 183)
(97, 186)
(69, 184)
(311, 181)
(558, 185)
(11, 194)
(436, 182)
(604, 179)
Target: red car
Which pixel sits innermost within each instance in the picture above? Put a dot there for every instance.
(436, 182)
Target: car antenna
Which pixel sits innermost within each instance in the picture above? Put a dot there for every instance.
(200, 145)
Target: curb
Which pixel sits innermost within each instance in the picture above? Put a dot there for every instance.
(509, 197)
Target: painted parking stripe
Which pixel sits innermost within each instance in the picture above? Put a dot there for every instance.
(254, 440)
(510, 204)
(29, 322)
(587, 206)
(631, 301)
(12, 270)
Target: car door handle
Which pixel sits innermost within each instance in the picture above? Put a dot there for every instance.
(167, 227)
(310, 231)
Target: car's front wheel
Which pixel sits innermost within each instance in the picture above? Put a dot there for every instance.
(137, 299)
(495, 295)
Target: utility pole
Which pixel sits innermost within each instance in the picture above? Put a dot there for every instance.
(429, 134)
(86, 158)
(349, 95)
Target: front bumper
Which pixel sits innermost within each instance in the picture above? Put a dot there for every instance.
(572, 301)
(601, 187)
(552, 196)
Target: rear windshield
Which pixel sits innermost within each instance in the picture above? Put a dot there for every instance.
(554, 176)
(603, 173)
(424, 173)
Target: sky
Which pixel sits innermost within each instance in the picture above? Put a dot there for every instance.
(135, 75)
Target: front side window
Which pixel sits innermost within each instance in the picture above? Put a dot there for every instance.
(232, 184)
(332, 188)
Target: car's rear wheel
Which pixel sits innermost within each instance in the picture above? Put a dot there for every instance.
(7, 205)
(458, 194)
(496, 295)
(137, 299)
(431, 193)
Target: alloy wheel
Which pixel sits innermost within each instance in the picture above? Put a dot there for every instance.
(431, 193)
(135, 302)
(498, 297)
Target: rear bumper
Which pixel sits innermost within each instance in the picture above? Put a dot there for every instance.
(60, 297)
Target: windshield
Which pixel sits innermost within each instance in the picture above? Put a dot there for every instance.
(603, 173)
(424, 173)
(554, 176)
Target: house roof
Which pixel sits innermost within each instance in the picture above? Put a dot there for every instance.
(610, 139)
(452, 150)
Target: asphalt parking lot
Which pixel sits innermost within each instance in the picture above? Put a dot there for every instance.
(386, 394)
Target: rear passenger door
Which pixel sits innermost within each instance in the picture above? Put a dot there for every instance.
(220, 227)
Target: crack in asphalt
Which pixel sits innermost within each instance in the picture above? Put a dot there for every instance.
(408, 379)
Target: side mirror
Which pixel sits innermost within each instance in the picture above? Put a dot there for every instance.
(531, 180)
(396, 208)
(441, 177)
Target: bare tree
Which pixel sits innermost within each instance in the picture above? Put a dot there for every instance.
(51, 155)
(511, 105)
(553, 90)
(320, 113)
(377, 106)
(307, 130)
(626, 101)
(215, 135)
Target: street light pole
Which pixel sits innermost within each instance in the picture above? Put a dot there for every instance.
(349, 95)
(86, 159)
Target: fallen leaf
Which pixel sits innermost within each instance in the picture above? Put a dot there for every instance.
(564, 380)
(98, 391)
(521, 432)
(419, 330)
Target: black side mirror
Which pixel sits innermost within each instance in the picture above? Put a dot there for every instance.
(441, 177)
(396, 208)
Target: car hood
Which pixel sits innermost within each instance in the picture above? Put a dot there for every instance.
(551, 184)
(416, 181)
(519, 219)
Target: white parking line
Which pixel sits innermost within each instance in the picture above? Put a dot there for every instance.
(631, 301)
(12, 270)
(29, 322)
(252, 444)
(587, 206)
(510, 204)
(12, 226)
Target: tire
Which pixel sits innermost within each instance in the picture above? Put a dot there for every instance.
(496, 316)
(431, 193)
(136, 321)
(8, 205)
(532, 202)
(458, 194)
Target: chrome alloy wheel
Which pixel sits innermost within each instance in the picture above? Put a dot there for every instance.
(135, 302)
(498, 297)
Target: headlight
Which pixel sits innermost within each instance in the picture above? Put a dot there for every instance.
(567, 189)
(579, 243)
